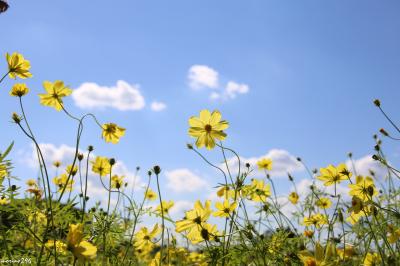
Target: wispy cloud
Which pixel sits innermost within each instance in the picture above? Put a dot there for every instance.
(158, 106)
(184, 180)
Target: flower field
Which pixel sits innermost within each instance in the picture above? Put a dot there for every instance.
(244, 225)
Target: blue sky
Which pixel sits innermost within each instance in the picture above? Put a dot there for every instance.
(312, 70)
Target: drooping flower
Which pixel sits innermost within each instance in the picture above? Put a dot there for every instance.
(19, 90)
(18, 66)
(112, 132)
(101, 166)
(264, 164)
(259, 191)
(364, 188)
(205, 232)
(293, 197)
(61, 182)
(207, 128)
(117, 181)
(333, 175)
(55, 92)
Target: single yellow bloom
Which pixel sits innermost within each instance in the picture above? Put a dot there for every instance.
(101, 166)
(19, 90)
(4, 201)
(144, 237)
(194, 218)
(112, 132)
(150, 195)
(166, 206)
(80, 248)
(57, 164)
(61, 247)
(293, 197)
(18, 66)
(207, 127)
(117, 181)
(317, 220)
(364, 188)
(61, 182)
(323, 203)
(265, 164)
(71, 170)
(372, 259)
(31, 183)
(259, 191)
(55, 92)
(332, 175)
(206, 232)
(224, 209)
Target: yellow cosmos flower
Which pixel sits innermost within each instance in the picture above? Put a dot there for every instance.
(71, 170)
(265, 164)
(150, 195)
(80, 248)
(4, 201)
(364, 188)
(166, 206)
(207, 127)
(117, 181)
(112, 132)
(332, 175)
(372, 259)
(61, 182)
(144, 237)
(321, 256)
(323, 203)
(55, 92)
(224, 209)
(57, 164)
(194, 218)
(18, 66)
(19, 90)
(259, 191)
(31, 183)
(206, 232)
(61, 247)
(317, 220)
(101, 166)
(293, 197)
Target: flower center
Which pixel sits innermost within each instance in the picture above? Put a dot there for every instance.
(208, 128)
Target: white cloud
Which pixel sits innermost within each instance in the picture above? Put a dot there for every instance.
(201, 76)
(233, 88)
(282, 163)
(183, 180)
(122, 97)
(158, 106)
(180, 207)
(303, 188)
(365, 164)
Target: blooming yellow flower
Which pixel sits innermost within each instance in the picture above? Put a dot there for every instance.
(265, 164)
(71, 170)
(61, 247)
(112, 132)
(166, 206)
(194, 218)
(57, 164)
(4, 201)
(55, 92)
(31, 183)
(207, 127)
(150, 195)
(323, 203)
(364, 188)
(19, 90)
(80, 248)
(144, 237)
(293, 197)
(372, 259)
(205, 232)
(18, 66)
(101, 166)
(61, 182)
(332, 175)
(117, 181)
(317, 220)
(259, 190)
(224, 209)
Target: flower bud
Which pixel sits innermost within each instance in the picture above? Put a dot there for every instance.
(112, 161)
(383, 132)
(377, 102)
(157, 169)
(16, 118)
(90, 148)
